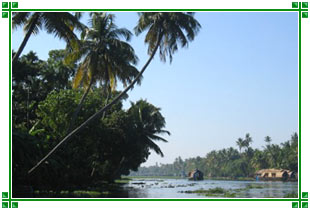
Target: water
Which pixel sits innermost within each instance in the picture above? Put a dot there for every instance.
(172, 188)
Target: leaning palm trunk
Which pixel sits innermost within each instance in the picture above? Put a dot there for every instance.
(26, 38)
(102, 110)
(77, 110)
(106, 101)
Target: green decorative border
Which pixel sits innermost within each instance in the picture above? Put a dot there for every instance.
(300, 7)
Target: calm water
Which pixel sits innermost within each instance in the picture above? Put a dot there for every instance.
(171, 188)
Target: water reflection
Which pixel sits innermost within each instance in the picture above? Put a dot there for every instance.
(179, 188)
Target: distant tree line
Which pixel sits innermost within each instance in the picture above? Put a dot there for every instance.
(231, 162)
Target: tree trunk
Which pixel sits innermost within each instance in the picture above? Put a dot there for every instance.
(26, 38)
(92, 172)
(77, 110)
(108, 96)
(99, 113)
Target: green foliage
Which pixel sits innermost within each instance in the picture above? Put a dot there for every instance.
(22, 160)
(105, 57)
(33, 80)
(149, 122)
(102, 152)
(43, 105)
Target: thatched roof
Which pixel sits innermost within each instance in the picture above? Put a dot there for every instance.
(272, 172)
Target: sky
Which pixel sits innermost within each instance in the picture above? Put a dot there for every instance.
(239, 75)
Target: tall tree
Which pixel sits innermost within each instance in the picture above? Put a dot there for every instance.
(148, 120)
(106, 58)
(148, 123)
(166, 32)
(240, 144)
(247, 140)
(269, 151)
(61, 24)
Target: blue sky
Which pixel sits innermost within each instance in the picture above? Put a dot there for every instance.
(240, 75)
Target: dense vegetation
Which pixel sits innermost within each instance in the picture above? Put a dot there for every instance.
(72, 96)
(231, 162)
(101, 152)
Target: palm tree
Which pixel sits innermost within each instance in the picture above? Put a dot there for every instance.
(166, 32)
(259, 160)
(247, 141)
(149, 123)
(106, 58)
(240, 144)
(269, 150)
(61, 24)
(232, 154)
(267, 139)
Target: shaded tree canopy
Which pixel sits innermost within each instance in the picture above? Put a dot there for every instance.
(42, 109)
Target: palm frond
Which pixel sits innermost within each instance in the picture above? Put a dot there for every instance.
(79, 77)
(154, 147)
(178, 28)
(35, 18)
(19, 19)
(155, 137)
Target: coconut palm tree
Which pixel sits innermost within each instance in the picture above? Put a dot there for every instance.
(267, 139)
(240, 144)
(149, 122)
(247, 140)
(165, 32)
(61, 24)
(105, 58)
